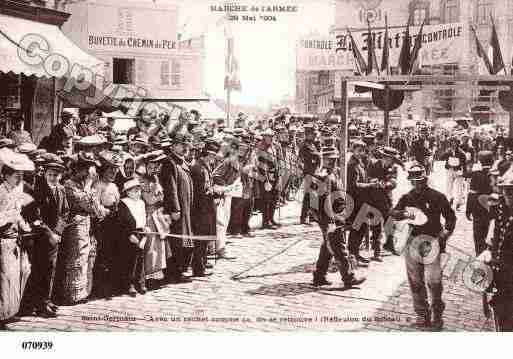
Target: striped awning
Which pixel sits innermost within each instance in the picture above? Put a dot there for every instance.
(33, 48)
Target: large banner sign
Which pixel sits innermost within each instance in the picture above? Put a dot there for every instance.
(441, 44)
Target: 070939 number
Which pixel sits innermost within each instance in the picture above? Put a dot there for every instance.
(37, 345)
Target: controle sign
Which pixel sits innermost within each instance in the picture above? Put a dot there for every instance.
(444, 43)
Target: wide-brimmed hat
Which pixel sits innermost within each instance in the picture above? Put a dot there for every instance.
(140, 140)
(182, 138)
(389, 152)
(52, 161)
(154, 156)
(212, 147)
(93, 140)
(84, 159)
(417, 172)
(7, 142)
(131, 183)
(27, 148)
(16, 161)
(110, 159)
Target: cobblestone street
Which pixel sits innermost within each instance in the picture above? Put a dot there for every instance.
(268, 288)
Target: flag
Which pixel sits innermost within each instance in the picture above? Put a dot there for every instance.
(497, 61)
(361, 66)
(385, 58)
(481, 52)
(416, 48)
(372, 60)
(404, 56)
(231, 79)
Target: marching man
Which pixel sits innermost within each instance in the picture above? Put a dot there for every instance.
(426, 242)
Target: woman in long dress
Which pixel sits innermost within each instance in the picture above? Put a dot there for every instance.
(153, 195)
(14, 262)
(76, 254)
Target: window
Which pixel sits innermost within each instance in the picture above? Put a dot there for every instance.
(123, 71)
(483, 10)
(164, 73)
(175, 73)
(419, 11)
(450, 11)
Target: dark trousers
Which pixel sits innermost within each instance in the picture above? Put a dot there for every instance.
(333, 246)
(305, 208)
(107, 271)
(135, 265)
(180, 259)
(239, 217)
(43, 259)
(199, 257)
(356, 237)
(480, 226)
(269, 200)
(246, 215)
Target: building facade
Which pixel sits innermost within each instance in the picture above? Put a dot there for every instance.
(140, 46)
(431, 103)
(30, 79)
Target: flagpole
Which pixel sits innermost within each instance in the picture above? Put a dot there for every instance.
(228, 104)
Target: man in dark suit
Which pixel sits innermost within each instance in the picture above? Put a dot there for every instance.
(177, 185)
(480, 189)
(203, 205)
(52, 212)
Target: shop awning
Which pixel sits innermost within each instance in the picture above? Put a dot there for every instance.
(22, 40)
(208, 109)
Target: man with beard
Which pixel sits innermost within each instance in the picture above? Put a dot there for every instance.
(203, 206)
(177, 185)
(427, 240)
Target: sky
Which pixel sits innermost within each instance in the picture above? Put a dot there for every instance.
(265, 49)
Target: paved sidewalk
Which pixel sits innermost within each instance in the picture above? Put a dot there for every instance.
(268, 288)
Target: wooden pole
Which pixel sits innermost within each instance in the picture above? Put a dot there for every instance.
(343, 112)
(228, 105)
(386, 125)
(510, 124)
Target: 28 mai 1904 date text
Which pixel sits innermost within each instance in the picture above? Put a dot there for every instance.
(43, 345)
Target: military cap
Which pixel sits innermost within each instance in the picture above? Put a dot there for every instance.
(417, 172)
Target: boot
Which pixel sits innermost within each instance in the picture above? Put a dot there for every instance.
(351, 281)
(131, 291)
(423, 321)
(320, 281)
(438, 323)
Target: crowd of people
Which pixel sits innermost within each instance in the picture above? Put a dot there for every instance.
(92, 213)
